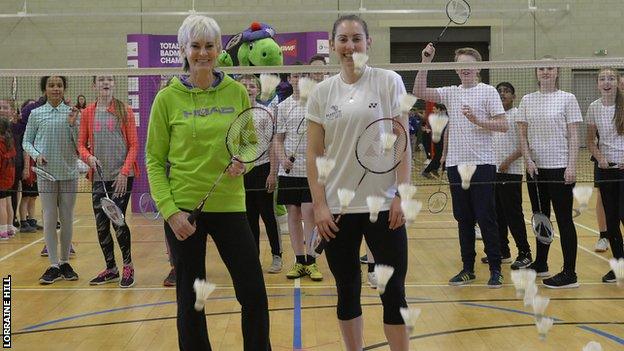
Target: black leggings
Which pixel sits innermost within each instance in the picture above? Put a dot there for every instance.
(611, 185)
(260, 203)
(102, 223)
(509, 213)
(389, 247)
(235, 244)
(552, 189)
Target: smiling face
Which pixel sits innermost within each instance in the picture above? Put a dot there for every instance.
(607, 82)
(467, 75)
(201, 54)
(350, 38)
(547, 76)
(54, 90)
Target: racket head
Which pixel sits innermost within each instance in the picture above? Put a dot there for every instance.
(147, 207)
(375, 157)
(42, 174)
(249, 136)
(437, 202)
(542, 228)
(458, 11)
(112, 211)
(302, 127)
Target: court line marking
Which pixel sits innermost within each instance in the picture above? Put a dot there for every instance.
(29, 245)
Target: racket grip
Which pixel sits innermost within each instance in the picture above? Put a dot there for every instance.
(193, 217)
(291, 159)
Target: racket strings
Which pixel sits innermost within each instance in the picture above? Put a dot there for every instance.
(382, 145)
(250, 134)
(458, 11)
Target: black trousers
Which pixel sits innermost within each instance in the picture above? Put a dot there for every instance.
(235, 243)
(509, 213)
(389, 247)
(553, 190)
(103, 224)
(476, 205)
(260, 204)
(611, 185)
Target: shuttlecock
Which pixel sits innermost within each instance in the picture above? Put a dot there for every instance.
(410, 316)
(529, 293)
(324, 166)
(522, 278)
(465, 172)
(592, 346)
(543, 326)
(268, 83)
(203, 289)
(383, 273)
(345, 196)
(437, 122)
(617, 266)
(387, 140)
(407, 101)
(539, 306)
(407, 191)
(359, 60)
(411, 209)
(305, 87)
(582, 193)
(374, 204)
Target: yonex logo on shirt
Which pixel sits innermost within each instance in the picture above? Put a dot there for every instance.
(373, 105)
(207, 111)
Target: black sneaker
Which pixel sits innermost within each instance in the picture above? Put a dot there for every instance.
(462, 278)
(496, 280)
(25, 227)
(127, 279)
(68, 272)
(33, 223)
(562, 280)
(609, 277)
(523, 260)
(504, 259)
(105, 276)
(51, 275)
(542, 271)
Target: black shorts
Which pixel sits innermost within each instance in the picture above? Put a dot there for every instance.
(5, 193)
(30, 190)
(293, 191)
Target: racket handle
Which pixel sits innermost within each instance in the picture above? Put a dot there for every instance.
(193, 217)
(321, 246)
(291, 159)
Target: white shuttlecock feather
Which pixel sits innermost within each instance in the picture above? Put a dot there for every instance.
(374, 204)
(324, 166)
(305, 87)
(410, 316)
(383, 273)
(617, 266)
(529, 293)
(539, 305)
(521, 279)
(592, 346)
(407, 101)
(582, 193)
(543, 326)
(465, 172)
(359, 60)
(411, 209)
(387, 140)
(203, 289)
(345, 196)
(268, 83)
(407, 191)
(437, 122)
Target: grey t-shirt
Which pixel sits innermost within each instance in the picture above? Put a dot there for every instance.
(109, 144)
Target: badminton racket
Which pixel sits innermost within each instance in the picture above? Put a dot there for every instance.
(110, 208)
(147, 207)
(43, 174)
(438, 200)
(375, 156)
(458, 12)
(248, 138)
(541, 224)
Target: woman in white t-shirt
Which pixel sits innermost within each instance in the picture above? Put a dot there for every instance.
(475, 112)
(338, 110)
(605, 116)
(548, 122)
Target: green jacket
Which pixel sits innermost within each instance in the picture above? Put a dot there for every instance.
(187, 129)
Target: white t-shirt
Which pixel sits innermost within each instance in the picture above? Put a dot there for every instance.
(289, 114)
(547, 116)
(469, 143)
(507, 143)
(344, 110)
(611, 144)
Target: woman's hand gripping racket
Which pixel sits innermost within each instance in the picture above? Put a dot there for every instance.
(438, 200)
(301, 131)
(248, 138)
(379, 150)
(110, 208)
(458, 12)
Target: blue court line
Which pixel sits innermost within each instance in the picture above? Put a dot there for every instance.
(297, 344)
(602, 333)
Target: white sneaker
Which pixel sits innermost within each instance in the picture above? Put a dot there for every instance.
(276, 265)
(372, 280)
(602, 245)
(478, 235)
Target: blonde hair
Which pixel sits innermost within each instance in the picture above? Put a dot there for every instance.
(468, 51)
